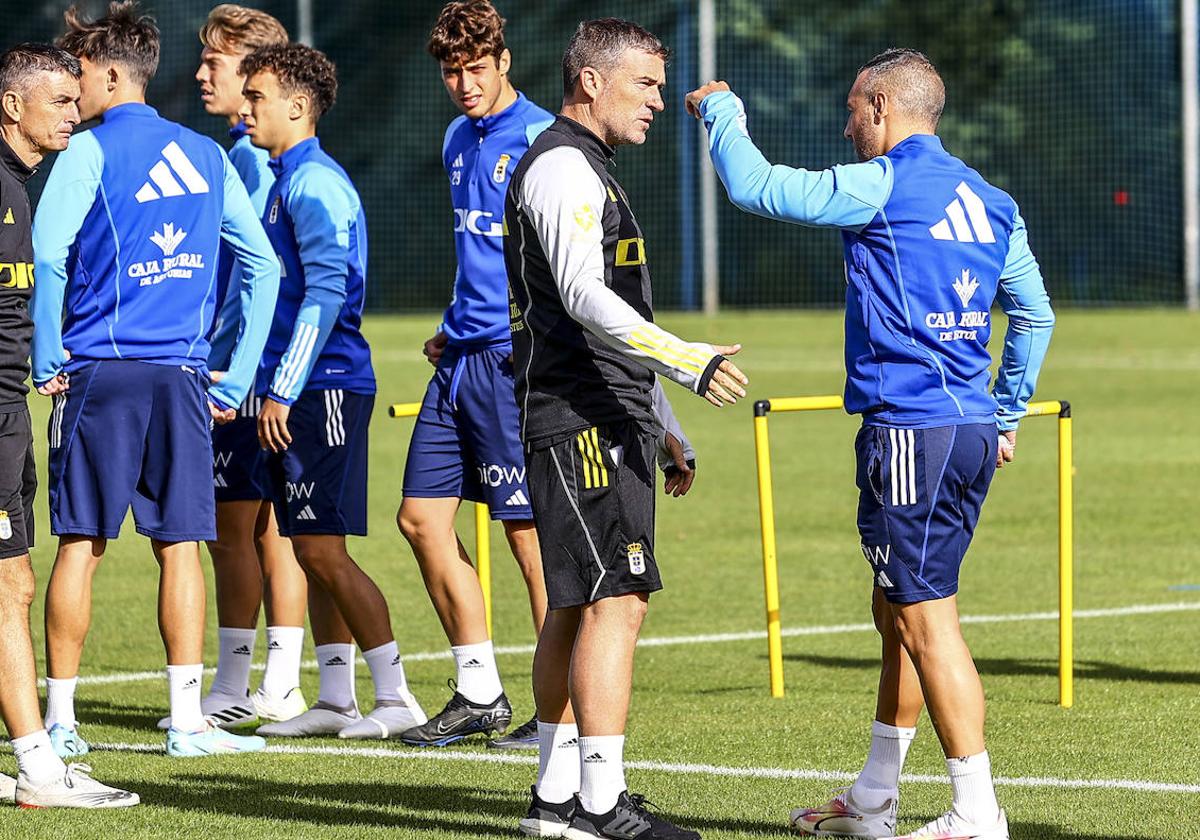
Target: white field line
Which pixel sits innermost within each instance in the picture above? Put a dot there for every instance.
(712, 638)
(696, 769)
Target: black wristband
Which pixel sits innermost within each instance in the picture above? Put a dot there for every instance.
(709, 373)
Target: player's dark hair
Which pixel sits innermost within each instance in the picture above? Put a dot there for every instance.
(909, 77)
(600, 44)
(124, 36)
(299, 69)
(466, 30)
(19, 65)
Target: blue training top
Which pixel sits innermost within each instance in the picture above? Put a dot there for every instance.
(929, 245)
(251, 164)
(315, 220)
(128, 230)
(479, 155)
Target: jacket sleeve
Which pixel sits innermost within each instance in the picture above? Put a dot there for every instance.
(256, 271)
(1022, 295)
(669, 423)
(847, 197)
(67, 199)
(564, 199)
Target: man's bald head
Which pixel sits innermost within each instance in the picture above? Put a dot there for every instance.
(910, 81)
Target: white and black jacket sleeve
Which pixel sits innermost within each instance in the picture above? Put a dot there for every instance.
(564, 199)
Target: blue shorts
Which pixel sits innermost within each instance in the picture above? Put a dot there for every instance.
(239, 462)
(920, 493)
(319, 484)
(467, 440)
(132, 433)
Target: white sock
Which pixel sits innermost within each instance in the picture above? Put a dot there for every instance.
(879, 780)
(974, 794)
(183, 683)
(478, 677)
(336, 664)
(36, 759)
(284, 646)
(235, 650)
(558, 762)
(60, 702)
(387, 671)
(601, 772)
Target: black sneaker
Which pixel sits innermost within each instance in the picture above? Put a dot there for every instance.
(524, 737)
(545, 819)
(628, 820)
(459, 719)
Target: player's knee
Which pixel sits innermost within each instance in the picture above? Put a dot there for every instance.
(415, 526)
(16, 583)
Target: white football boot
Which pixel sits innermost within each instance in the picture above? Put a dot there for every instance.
(74, 789)
(950, 826)
(8, 788)
(270, 707)
(320, 719)
(389, 719)
(842, 817)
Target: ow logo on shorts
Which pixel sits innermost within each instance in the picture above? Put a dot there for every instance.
(495, 475)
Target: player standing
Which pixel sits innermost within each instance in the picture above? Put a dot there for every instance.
(466, 443)
(586, 349)
(39, 95)
(128, 230)
(318, 390)
(929, 246)
(252, 563)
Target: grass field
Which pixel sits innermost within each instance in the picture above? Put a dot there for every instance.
(1134, 381)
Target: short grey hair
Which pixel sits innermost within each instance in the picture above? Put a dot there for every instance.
(910, 79)
(600, 44)
(19, 65)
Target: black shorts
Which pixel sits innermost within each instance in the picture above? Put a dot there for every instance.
(18, 481)
(593, 504)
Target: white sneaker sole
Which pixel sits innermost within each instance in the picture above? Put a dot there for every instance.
(542, 828)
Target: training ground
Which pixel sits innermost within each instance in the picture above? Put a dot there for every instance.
(707, 743)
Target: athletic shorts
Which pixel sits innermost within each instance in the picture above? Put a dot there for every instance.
(18, 482)
(239, 462)
(319, 483)
(132, 433)
(593, 504)
(466, 443)
(920, 494)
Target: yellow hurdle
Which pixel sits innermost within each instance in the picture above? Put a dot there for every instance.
(766, 507)
(483, 550)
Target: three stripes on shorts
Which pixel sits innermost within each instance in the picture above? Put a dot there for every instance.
(903, 462)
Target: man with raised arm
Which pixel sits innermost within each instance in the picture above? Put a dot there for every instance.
(929, 245)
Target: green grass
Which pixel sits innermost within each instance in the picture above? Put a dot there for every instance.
(1132, 379)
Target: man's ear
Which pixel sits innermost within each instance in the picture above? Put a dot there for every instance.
(591, 82)
(299, 106)
(880, 106)
(111, 78)
(13, 105)
(504, 63)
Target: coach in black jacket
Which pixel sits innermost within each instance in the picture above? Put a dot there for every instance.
(39, 96)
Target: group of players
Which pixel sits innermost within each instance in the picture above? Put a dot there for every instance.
(197, 312)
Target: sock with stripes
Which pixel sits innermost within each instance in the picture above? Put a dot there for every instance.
(477, 676)
(235, 652)
(974, 792)
(387, 671)
(60, 702)
(336, 664)
(601, 772)
(284, 646)
(183, 683)
(879, 780)
(558, 762)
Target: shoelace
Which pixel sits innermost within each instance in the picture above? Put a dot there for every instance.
(76, 769)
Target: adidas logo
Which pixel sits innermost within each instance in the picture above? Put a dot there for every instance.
(219, 481)
(572, 744)
(457, 161)
(306, 514)
(192, 683)
(336, 660)
(396, 661)
(594, 758)
(472, 663)
(168, 238)
(517, 498)
(163, 177)
(242, 650)
(956, 226)
(8, 217)
(274, 646)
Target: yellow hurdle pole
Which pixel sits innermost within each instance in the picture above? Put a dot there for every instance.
(404, 410)
(766, 510)
(1066, 560)
(483, 560)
